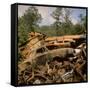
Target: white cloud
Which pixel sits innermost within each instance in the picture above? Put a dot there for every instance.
(74, 21)
(46, 15)
(22, 9)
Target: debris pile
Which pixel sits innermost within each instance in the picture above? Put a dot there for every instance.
(56, 65)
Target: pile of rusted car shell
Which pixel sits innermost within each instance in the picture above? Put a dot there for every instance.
(55, 62)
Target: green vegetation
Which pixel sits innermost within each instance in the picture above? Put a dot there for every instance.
(57, 15)
(63, 25)
(27, 23)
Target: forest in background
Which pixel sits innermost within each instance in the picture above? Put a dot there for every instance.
(30, 22)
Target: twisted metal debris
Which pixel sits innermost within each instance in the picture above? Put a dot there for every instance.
(57, 65)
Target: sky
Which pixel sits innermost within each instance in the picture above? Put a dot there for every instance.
(45, 12)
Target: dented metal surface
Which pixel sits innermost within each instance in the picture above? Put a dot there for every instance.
(56, 65)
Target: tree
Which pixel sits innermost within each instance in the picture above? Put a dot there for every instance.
(32, 18)
(83, 22)
(27, 23)
(77, 29)
(57, 14)
(67, 24)
(67, 15)
(62, 22)
(22, 31)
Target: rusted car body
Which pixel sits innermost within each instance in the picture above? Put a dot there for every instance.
(43, 55)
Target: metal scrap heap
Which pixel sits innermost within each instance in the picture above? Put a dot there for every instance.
(53, 60)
